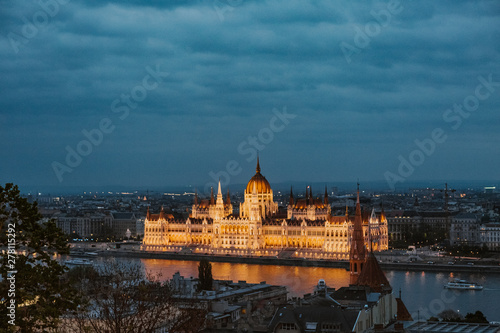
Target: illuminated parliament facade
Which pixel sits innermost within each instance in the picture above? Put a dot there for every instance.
(307, 229)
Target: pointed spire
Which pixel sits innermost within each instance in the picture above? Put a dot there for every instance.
(195, 197)
(307, 195)
(220, 199)
(357, 253)
(346, 211)
(257, 169)
(162, 213)
(147, 214)
(291, 196)
(311, 194)
(326, 196)
(228, 198)
(212, 200)
(382, 213)
(358, 193)
(358, 206)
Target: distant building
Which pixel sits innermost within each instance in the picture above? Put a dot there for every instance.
(465, 230)
(490, 236)
(102, 225)
(490, 189)
(85, 226)
(307, 228)
(140, 226)
(123, 222)
(403, 222)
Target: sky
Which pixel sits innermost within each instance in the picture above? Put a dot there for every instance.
(175, 93)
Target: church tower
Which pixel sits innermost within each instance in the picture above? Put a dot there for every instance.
(357, 254)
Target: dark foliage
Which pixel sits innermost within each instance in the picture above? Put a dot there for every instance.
(29, 269)
(205, 275)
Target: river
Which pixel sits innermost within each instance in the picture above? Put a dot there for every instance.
(422, 292)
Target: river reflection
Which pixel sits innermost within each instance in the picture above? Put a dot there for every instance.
(422, 292)
(299, 280)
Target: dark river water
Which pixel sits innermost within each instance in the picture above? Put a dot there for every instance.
(422, 292)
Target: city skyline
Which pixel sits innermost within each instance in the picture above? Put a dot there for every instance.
(143, 94)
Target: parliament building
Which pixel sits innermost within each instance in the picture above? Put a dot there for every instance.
(306, 230)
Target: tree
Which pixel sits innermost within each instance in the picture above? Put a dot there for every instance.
(477, 317)
(121, 298)
(450, 315)
(32, 297)
(205, 275)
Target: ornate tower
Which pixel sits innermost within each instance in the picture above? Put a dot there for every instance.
(219, 204)
(357, 254)
(258, 195)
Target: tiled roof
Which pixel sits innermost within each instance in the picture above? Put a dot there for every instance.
(350, 294)
(403, 314)
(373, 276)
(312, 318)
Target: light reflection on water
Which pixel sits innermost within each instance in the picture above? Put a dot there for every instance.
(299, 280)
(421, 291)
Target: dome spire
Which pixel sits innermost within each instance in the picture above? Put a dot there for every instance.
(260, 182)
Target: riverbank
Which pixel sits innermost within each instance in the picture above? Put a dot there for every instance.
(401, 266)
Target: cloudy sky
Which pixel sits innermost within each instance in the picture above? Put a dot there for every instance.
(143, 93)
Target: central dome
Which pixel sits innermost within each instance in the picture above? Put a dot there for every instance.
(261, 183)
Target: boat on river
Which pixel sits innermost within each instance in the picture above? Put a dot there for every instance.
(463, 285)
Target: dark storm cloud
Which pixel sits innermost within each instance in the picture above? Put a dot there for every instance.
(231, 63)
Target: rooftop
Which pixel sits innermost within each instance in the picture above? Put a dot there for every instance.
(439, 327)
